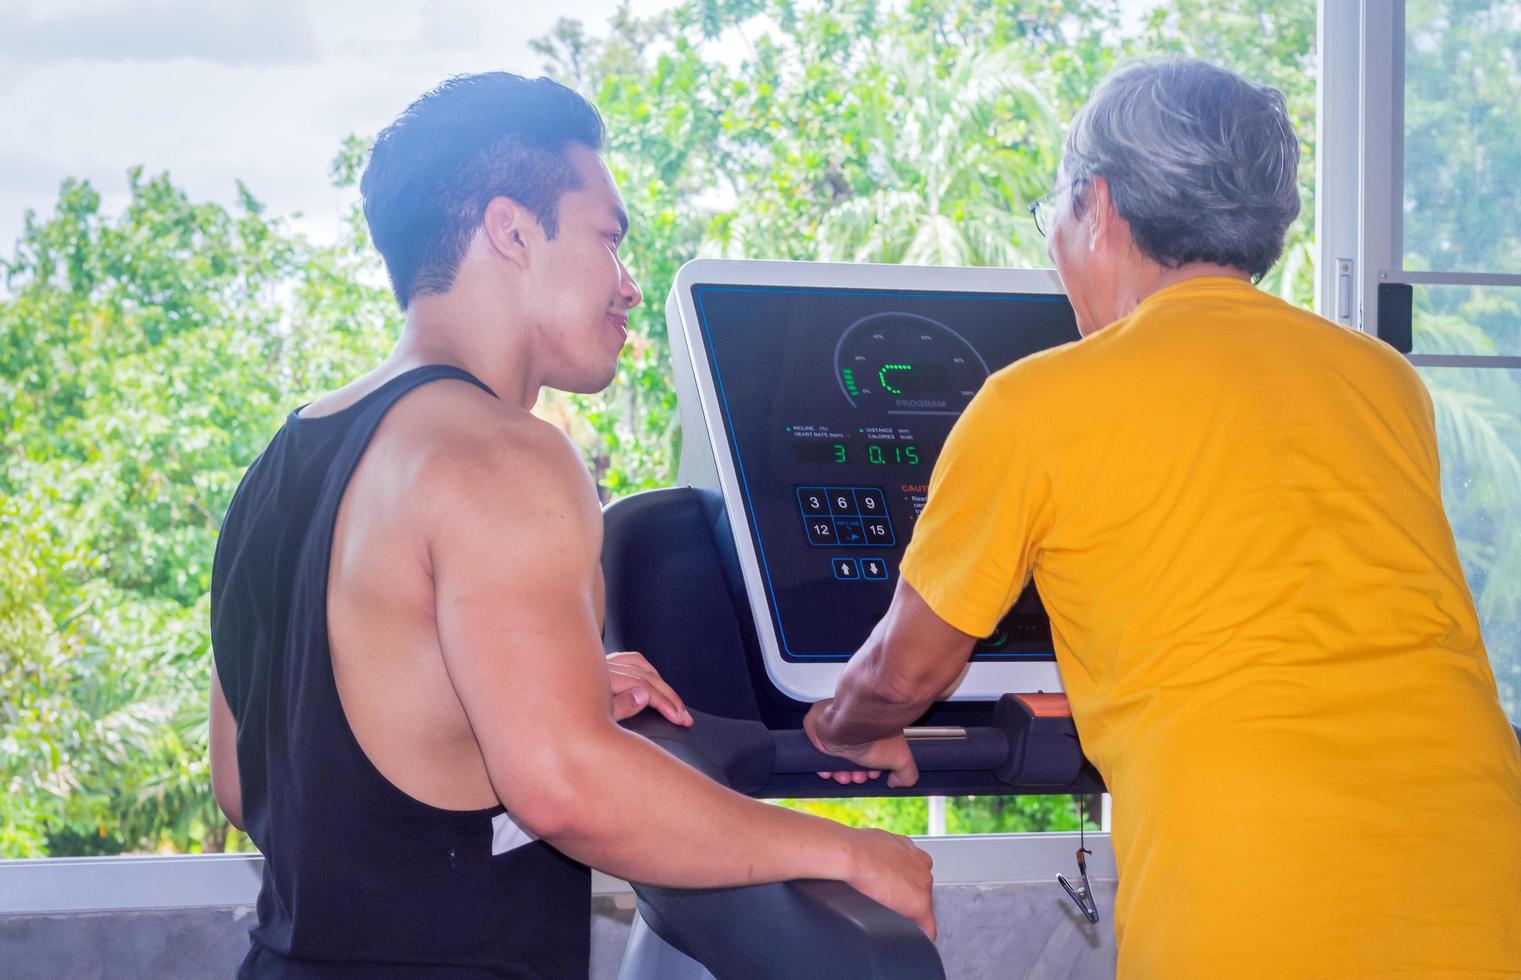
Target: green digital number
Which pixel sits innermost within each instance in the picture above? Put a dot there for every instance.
(892, 369)
(839, 452)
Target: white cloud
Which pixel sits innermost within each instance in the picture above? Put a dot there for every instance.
(210, 119)
(273, 31)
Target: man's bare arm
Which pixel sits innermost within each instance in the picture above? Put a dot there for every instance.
(911, 657)
(514, 549)
(224, 755)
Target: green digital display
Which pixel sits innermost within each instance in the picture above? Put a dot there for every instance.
(856, 451)
(894, 371)
(884, 454)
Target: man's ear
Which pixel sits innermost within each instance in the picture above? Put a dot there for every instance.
(1099, 213)
(508, 229)
(1102, 222)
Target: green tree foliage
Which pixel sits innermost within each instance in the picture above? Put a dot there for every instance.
(839, 130)
(1462, 187)
(144, 360)
(1462, 171)
(852, 132)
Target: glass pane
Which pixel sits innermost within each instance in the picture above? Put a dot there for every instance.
(1462, 142)
(963, 814)
(1479, 426)
(1467, 320)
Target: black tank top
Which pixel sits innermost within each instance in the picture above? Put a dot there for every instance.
(360, 879)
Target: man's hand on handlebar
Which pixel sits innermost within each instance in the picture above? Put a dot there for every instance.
(637, 685)
(890, 755)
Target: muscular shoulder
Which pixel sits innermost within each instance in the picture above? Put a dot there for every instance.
(477, 460)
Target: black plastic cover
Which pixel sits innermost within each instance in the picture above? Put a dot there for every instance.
(798, 930)
(1395, 313)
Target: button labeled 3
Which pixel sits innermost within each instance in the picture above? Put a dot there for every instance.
(813, 500)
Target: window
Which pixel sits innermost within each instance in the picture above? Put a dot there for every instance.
(1421, 182)
(129, 404)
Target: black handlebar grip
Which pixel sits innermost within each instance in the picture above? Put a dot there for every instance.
(803, 930)
(798, 929)
(736, 753)
(977, 750)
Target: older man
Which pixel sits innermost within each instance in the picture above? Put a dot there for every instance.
(1232, 510)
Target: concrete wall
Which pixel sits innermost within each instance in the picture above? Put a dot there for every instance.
(1013, 931)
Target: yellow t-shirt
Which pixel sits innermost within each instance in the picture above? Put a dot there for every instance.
(1232, 510)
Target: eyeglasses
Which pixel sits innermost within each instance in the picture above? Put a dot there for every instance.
(1043, 209)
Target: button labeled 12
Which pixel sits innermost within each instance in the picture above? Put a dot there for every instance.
(820, 530)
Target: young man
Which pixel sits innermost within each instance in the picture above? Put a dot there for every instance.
(411, 713)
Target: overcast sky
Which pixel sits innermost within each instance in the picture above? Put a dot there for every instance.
(216, 90)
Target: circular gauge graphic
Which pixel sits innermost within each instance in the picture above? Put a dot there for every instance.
(907, 364)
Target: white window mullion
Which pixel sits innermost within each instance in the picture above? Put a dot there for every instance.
(1338, 48)
(1381, 146)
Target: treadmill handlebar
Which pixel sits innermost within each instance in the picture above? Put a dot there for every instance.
(975, 749)
(788, 928)
(1025, 745)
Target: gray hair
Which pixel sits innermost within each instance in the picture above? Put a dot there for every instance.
(1201, 163)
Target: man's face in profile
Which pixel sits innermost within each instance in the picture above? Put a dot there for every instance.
(581, 286)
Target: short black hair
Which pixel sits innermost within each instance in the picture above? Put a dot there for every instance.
(474, 138)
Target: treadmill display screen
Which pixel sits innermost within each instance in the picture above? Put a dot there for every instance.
(836, 404)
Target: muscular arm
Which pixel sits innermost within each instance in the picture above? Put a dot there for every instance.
(911, 657)
(514, 552)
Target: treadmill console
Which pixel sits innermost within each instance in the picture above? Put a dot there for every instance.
(823, 395)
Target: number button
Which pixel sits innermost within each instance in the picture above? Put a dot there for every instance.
(813, 500)
(877, 532)
(842, 501)
(849, 530)
(846, 570)
(820, 531)
(869, 503)
(874, 569)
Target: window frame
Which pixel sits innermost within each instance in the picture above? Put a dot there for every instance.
(1359, 232)
(44, 886)
(1360, 174)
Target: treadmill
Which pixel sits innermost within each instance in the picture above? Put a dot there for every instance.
(815, 399)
